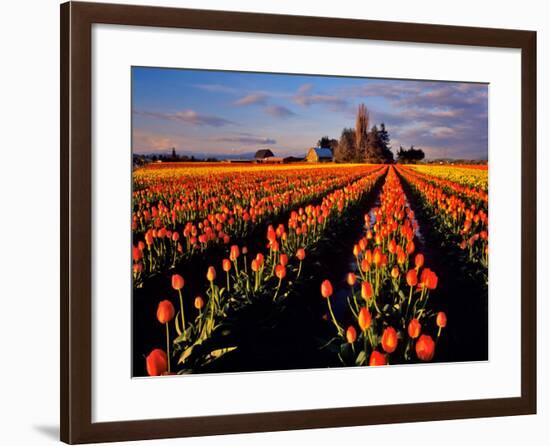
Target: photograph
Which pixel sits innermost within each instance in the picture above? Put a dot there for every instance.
(292, 221)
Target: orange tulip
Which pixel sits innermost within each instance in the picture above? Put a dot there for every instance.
(255, 265)
(234, 253)
(283, 259)
(425, 348)
(412, 278)
(326, 289)
(211, 274)
(156, 362)
(351, 279)
(366, 291)
(199, 303)
(301, 254)
(177, 282)
(377, 358)
(351, 334)
(364, 319)
(395, 272)
(419, 260)
(389, 340)
(226, 265)
(441, 319)
(165, 311)
(414, 328)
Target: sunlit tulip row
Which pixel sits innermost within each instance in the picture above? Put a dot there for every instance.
(179, 213)
(461, 220)
(387, 318)
(193, 341)
(473, 176)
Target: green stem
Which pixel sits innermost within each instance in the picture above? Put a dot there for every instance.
(182, 314)
(168, 346)
(299, 270)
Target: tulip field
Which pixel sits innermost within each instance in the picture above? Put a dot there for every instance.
(248, 267)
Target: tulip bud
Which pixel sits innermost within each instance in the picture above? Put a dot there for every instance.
(364, 319)
(412, 278)
(165, 311)
(366, 291)
(389, 340)
(199, 303)
(211, 274)
(351, 279)
(326, 289)
(280, 271)
(414, 328)
(177, 282)
(351, 334)
(301, 254)
(441, 319)
(395, 272)
(226, 265)
(156, 362)
(425, 348)
(377, 358)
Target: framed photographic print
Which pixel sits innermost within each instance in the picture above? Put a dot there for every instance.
(282, 222)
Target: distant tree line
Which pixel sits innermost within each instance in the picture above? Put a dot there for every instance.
(365, 144)
(410, 156)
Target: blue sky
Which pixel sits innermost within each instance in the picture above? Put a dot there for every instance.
(217, 112)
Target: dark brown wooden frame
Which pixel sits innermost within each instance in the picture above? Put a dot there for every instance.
(76, 217)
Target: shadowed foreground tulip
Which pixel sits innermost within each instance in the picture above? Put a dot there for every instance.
(425, 348)
(156, 362)
(441, 321)
(165, 313)
(351, 334)
(377, 358)
(389, 340)
(326, 289)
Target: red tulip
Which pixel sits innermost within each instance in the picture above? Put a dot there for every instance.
(280, 271)
(326, 289)
(425, 348)
(283, 259)
(301, 254)
(351, 334)
(177, 282)
(419, 260)
(364, 319)
(412, 278)
(414, 328)
(156, 362)
(389, 340)
(165, 311)
(366, 291)
(377, 358)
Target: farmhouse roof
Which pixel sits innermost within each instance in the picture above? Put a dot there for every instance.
(322, 152)
(263, 153)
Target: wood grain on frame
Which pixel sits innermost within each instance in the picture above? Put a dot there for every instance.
(76, 217)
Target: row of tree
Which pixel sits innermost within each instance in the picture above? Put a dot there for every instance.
(367, 145)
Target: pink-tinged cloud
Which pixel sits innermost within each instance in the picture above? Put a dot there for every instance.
(305, 97)
(143, 141)
(252, 99)
(278, 111)
(188, 116)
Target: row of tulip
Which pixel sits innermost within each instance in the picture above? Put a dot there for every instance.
(463, 222)
(472, 176)
(242, 206)
(388, 290)
(270, 275)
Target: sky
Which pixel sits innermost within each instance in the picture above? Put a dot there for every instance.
(219, 112)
